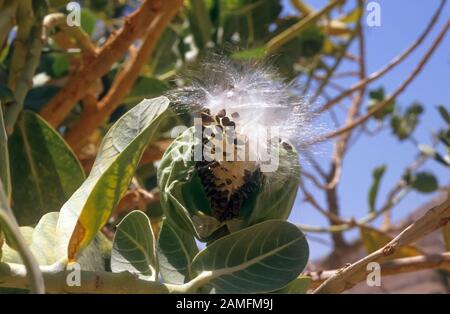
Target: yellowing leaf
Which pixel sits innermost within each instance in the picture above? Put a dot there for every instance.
(374, 239)
(352, 17)
(89, 208)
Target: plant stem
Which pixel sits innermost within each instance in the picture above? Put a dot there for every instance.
(114, 48)
(7, 19)
(32, 274)
(54, 20)
(290, 33)
(22, 77)
(55, 277)
(25, 18)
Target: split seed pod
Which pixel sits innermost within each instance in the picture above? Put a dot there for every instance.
(216, 177)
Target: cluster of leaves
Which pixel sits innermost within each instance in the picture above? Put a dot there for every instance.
(443, 136)
(403, 125)
(61, 212)
(73, 233)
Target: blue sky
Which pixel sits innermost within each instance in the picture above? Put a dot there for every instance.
(402, 21)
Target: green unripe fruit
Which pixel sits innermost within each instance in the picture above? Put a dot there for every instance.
(212, 198)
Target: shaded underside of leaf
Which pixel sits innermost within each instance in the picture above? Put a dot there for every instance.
(377, 175)
(260, 258)
(176, 250)
(90, 206)
(134, 246)
(5, 176)
(45, 171)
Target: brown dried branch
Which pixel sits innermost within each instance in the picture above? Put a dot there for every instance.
(135, 199)
(347, 277)
(394, 62)
(342, 144)
(393, 267)
(310, 199)
(115, 47)
(58, 20)
(124, 81)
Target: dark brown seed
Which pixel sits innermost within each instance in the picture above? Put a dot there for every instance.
(286, 146)
(206, 118)
(222, 113)
(225, 121)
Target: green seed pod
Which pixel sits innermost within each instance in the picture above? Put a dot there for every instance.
(214, 198)
(214, 181)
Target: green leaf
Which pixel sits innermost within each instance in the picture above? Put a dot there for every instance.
(134, 246)
(444, 138)
(44, 170)
(376, 96)
(261, 258)
(297, 286)
(404, 125)
(6, 94)
(176, 250)
(377, 174)
(88, 21)
(90, 206)
(145, 87)
(250, 19)
(166, 54)
(424, 182)
(60, 65)
(250, 54)
(429, 151)
(5, 176)
(352, 16)
(39, 96)
(200, 23)
(444, 114)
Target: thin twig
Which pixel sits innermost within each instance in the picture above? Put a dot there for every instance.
(295, 29)
(394, 62)
(381, 105)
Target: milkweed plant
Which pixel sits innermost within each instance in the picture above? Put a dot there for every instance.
(227, 185)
